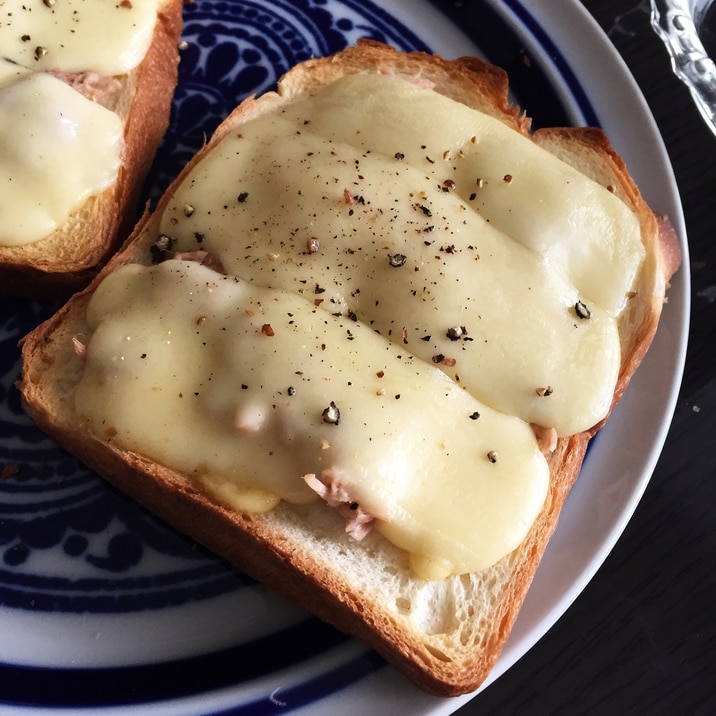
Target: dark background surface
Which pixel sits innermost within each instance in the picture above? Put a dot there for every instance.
(641, 638)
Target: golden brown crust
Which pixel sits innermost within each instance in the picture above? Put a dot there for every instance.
(279, 548)
(67, 260)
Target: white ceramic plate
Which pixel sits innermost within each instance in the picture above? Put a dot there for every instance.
(104, 608)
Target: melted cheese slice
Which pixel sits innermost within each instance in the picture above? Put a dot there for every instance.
(10, 72)
(228, 382)
(368, 174)
(434, 276)
(57, 148)
(110, 38)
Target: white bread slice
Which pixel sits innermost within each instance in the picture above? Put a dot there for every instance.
(67, 259)
(444, 635)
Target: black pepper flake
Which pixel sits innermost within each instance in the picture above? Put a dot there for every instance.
(26, 38)
(455, 333)
(291, 391)
(544, 392)
(397, 260)
(474, 416)
(472, 196)
(507, 178)
(241, 198)
(438, 358)
(161, 249)
(582, 311)
(425, 338)
(198, 237)
(331, 414)
(319, 289)
(399, 155)
(425, 210)
(492, 456)
(40, 52)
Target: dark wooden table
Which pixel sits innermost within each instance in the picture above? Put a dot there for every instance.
(641, 638)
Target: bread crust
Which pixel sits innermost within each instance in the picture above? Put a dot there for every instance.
(279, 547)
(67, 260)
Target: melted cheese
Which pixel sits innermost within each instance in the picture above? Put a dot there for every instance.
(508, 264)
(10, 72)
(441, 283)
(110, 38)
(57, 149)
(227, 382)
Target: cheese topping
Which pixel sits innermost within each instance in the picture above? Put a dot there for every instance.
(229, 383)
(57, 148)
(362, 172)
(110, 38)
(409, 285)
(10, 72)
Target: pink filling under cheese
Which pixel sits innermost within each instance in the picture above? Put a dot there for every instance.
(329, 488)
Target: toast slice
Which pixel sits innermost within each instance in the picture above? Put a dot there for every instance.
(445, 634)
(67, 259)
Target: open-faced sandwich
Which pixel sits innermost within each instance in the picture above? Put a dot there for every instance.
(85, 96)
